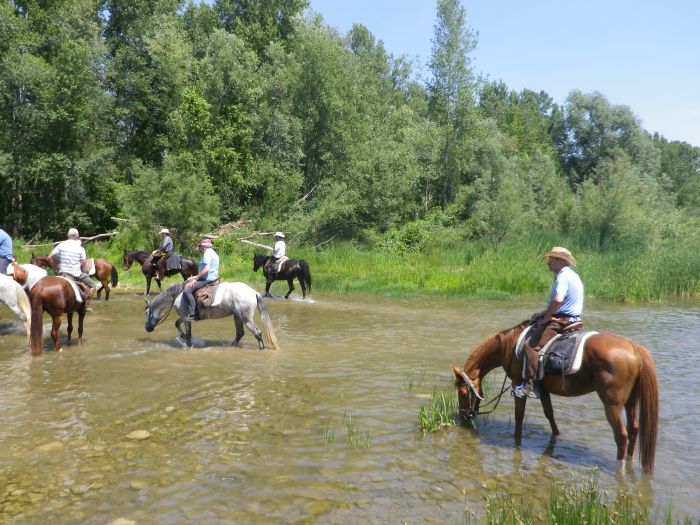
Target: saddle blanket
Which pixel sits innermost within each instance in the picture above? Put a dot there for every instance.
(280, 261)
(561, 355)
(90, 266)
(173, 262)
(76, 289)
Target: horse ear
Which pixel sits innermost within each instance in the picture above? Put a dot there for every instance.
(458, 373)
(148, 303)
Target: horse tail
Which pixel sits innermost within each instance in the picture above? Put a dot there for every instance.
(24, 306)
(307, 275)
(36, 333)
(115, 276)
(648, 391)
(268, 330)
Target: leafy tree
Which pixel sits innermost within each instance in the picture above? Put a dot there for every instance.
(191, 207)
(452, 89)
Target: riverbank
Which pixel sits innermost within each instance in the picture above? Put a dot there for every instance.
(450, 267)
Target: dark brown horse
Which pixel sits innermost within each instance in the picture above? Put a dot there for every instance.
(290, 269)
(104, 271)
(188, 268)
(619, 370)
(56, 296)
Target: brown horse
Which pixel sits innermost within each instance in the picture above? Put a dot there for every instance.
(104, 271)
(56, 296)
(619, 370)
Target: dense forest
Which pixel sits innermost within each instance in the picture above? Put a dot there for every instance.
(194, 115)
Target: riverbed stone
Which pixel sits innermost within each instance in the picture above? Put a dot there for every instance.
(51, 447)
(122, 521)
(139, 435)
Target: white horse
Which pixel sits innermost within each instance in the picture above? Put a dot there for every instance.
(15, 298)
(34, 273)
(237, 299)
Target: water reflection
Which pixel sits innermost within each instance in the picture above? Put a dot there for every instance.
(239, 435)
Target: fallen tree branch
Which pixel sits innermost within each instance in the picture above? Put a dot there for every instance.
(324, 242)
(256, 244)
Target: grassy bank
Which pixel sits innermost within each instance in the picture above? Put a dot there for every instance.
(448, 266)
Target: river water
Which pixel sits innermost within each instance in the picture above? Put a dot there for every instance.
(325, 430)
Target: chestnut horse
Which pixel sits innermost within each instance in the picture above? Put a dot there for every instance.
(619, 370)
(188, 268)
(56, 296)
(290, 269)
(104, 271)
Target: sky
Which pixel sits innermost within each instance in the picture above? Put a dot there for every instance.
(644, 54)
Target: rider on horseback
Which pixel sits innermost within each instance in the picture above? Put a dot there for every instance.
(208, 271)
(5, 251)
(71, 255)
(160, 256)
(278, 252)
(564, 308)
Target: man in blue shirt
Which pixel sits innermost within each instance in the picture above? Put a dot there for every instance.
(208, 272)
(564, 307)
(5, 251)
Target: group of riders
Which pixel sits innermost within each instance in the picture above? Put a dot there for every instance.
(563, 309)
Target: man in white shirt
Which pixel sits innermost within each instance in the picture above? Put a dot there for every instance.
(71, 254)
(278, 252)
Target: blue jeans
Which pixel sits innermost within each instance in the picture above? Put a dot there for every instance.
(189, 299)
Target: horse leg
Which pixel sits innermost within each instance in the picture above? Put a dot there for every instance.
(268, 283)
(81, 317)
(291, 287)
(239, 329)
(179, 330)
(613, 414)
(519, 416)
(70, 325)
(188, 334)
(632, 423)
(254, 329)
(148, 285)
(303, 287)
(546, 400)
(105, 287)
(55, 326)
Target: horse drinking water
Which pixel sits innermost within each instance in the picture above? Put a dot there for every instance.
(236, 299)
(619, 370)
(289, 269)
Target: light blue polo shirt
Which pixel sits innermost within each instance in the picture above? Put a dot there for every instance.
(568, 284)
(210, 257)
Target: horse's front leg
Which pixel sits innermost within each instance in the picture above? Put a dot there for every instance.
(148, 284)
(55, 327)
(546, 400)
(291, 288)
(239, 329)
(268, 283)
(179, 330)
(188, 335)
(519, 416)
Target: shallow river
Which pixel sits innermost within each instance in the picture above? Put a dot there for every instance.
(325, 430)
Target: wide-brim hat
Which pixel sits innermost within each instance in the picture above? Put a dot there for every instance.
(205, 242)
(279, 234)
(561, 253)
(165, 230)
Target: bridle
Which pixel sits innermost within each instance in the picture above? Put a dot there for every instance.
(470, 413)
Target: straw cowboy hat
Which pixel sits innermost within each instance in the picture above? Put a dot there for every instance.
(279, 234)
(165, 230)
(205, 242)
(561, 253)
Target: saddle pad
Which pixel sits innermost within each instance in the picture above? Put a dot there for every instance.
(519, 348)
(208, 296)
(76, 290)
(90, 266)
(173, 262)
(563, 353)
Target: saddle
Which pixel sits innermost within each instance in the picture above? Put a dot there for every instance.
(562, 354)
(205, 296)
(19, 274)
(83, 290)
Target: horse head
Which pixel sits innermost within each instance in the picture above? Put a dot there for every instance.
(258, 261)
(158, 309)
(127, 261)
(469, 395)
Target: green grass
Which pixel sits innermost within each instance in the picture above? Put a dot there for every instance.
(451, 267)
(572, 504)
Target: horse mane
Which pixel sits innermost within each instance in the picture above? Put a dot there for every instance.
(170, 293)
(503, 339)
